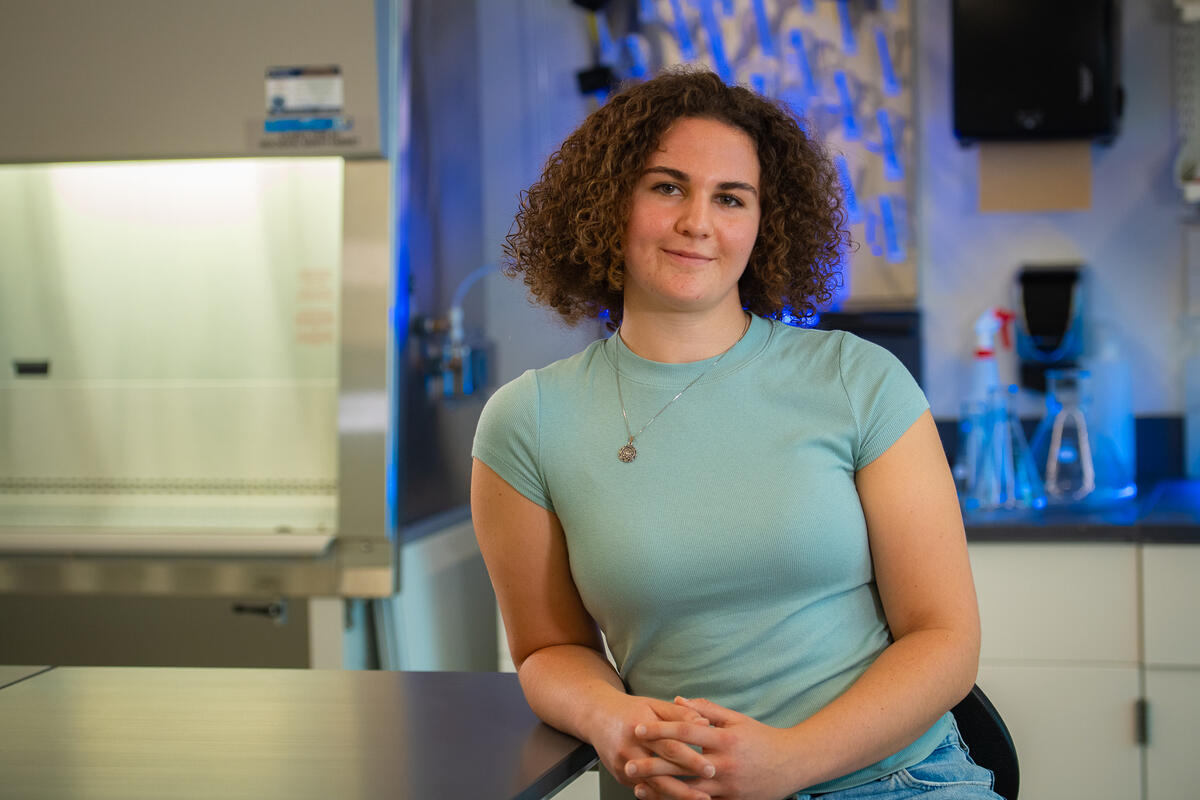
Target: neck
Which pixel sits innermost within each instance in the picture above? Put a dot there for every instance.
(680, 338)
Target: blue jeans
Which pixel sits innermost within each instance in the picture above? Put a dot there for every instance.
(947, 773)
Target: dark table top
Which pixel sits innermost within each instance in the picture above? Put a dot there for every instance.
(1166, 513)
(10, 675)
(165, 733)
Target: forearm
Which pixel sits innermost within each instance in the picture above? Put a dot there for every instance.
(568, 685)
(908, 687)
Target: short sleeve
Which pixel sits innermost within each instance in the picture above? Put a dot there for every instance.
(883, 395)
(508, 435)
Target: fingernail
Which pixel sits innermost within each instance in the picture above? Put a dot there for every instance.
(631, 769)
(639, 791)
(640, 730)
(709, 771)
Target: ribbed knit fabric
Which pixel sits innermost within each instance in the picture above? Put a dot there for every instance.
(730, 559)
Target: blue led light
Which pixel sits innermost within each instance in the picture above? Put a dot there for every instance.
(853, 210)
(849, 43)
(891, 84)
(891, 212)
(686, 49)
(892, 169)
(849, 123)
(638, 66)
(398, 314)
(716, 44)
(788, 316)
(871, 233)
(794, 98)
(764, 28)
(806, 73)
(608, 48)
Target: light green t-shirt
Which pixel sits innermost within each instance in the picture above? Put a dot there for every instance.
(730, 559)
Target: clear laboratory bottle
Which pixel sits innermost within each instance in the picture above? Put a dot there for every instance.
(1004, 475)
(1079, 462)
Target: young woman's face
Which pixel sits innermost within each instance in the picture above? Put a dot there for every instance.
(693, 219)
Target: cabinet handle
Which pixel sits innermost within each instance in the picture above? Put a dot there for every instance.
(1141, 711)
(275, 611)
(24, 368)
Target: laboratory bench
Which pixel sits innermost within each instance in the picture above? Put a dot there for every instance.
(1091, 641)
(1167, 512)
(165, 733)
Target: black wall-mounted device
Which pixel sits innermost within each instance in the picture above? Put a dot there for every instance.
(1036, 69)
(1050, 320)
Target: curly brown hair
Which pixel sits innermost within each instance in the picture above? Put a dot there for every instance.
(567, 236)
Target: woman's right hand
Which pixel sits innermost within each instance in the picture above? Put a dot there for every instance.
(616, 744)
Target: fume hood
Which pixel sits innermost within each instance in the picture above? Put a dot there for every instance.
(196, 351)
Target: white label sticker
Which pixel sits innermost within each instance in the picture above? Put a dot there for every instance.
(304, 90)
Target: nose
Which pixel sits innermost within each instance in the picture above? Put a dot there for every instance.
(695, 218)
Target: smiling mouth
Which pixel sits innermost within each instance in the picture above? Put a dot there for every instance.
(684, 254)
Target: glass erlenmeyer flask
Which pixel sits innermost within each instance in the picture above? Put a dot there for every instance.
(1079, 463)
(971, 420)
(1005, 476)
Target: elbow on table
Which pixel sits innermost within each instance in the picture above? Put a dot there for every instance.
(521, 655)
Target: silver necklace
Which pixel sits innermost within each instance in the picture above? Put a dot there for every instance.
(628, 452)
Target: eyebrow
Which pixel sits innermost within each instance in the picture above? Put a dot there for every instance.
(681, 176)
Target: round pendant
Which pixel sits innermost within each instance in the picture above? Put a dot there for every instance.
(627, 453)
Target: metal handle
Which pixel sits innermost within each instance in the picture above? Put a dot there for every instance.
(275, 610)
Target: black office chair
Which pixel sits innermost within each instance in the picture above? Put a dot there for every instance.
(988, 740)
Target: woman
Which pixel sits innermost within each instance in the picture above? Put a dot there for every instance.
(759, 518)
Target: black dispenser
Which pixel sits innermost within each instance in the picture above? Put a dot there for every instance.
(1036, 69)
(1049, 323)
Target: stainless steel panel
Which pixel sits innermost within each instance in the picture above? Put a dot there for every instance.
(140, 79)
(352, 568)
(367, 398)
(177, 542)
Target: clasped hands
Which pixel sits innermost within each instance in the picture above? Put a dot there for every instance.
(739, 757)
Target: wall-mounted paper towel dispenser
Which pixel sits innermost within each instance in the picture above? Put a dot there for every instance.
(1030, 70)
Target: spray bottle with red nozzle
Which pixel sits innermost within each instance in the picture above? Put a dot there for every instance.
(985, 381)
(985, 376)
(995, 470)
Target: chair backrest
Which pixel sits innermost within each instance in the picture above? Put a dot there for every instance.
(989, 741)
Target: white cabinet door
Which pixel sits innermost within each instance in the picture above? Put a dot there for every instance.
(1170, 576)
(1172, 614)
(1058, 602)
(1174, 734)
(1073, 726)
(1060, 662)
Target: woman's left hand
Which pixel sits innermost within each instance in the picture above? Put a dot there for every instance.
(753, 761)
